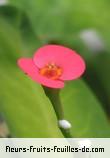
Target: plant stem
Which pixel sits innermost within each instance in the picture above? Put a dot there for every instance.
(66, 133)
(54, 97)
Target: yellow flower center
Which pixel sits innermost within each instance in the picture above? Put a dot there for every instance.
(51, 71)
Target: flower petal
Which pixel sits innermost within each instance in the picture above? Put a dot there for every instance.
(28, 66)
(72, 64)
(74, 67)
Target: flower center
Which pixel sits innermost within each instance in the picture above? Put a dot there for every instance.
(51, 71)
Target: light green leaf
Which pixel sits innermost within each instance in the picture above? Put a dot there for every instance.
(27, 110)
(83, 110)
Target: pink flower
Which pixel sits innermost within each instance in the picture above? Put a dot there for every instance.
(52, 65)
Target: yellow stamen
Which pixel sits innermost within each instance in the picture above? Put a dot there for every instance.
(51, 71)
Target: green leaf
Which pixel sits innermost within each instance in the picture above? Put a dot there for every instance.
(48, 19)
(84, 111)
(98, 67)
(18, 19)
(44, 16)
(55, 18)
(27, 110)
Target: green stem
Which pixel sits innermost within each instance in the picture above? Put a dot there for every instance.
(53, 95)
(66, 133)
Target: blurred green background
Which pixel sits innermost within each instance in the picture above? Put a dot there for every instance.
(82, 25)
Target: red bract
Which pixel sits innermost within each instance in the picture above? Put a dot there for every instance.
(52, 65)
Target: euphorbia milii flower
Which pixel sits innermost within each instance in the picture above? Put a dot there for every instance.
(52, 65)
